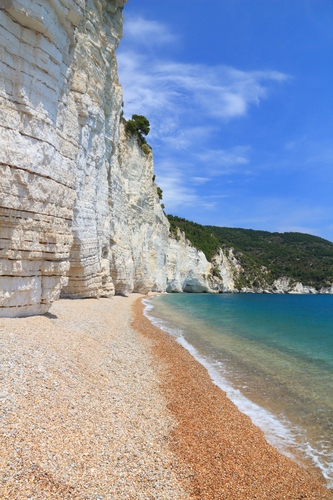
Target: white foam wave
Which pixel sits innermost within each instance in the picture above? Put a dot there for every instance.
(279, 432)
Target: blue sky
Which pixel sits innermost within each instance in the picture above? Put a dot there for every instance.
(239, 94)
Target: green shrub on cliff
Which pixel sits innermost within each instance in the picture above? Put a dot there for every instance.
(303, 257)
(142, 124)
(139, 126)
(159, 192)
(146, 149)
(130, 127)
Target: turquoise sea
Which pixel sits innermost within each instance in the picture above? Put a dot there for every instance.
(271, 354)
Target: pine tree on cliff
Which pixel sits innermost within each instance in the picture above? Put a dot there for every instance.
(139, 126)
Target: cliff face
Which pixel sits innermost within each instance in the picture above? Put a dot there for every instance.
(94, 106)
(139, 226)
(187, 269)
(79, 212)
(38, 151)
(59, 105)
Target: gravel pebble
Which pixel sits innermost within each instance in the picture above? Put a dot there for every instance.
(95, 407)
(82, 416)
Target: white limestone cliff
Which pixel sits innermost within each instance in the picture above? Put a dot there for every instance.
(38, 152)
(228, 268)
(79, 210)
(94, 103)
(59, 105)
(139, 227)
(187, 269)
(286, 285)
(80, 213)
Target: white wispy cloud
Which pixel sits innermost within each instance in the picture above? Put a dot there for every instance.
(186, 105)
(185, 137)
(200, 180)
(147, 32)
(268, 212)
(158, 87)
(224, 161)
(178, 98)
(177, 191)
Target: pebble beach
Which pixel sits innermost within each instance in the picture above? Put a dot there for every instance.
(97, 403)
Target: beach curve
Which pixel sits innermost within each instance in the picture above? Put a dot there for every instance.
(97, 403)
(228, 455)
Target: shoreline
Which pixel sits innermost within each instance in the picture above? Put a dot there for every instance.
(290, 426)
(97, 403)
(229, 456)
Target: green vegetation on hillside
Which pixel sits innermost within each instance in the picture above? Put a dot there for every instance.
(303, 257)
(201, 237)
(265, 256)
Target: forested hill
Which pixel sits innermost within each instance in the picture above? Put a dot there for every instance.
(302, 257)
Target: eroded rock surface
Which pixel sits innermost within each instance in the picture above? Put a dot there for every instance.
(59, 107)
(38, 152)
(79, 209)
(187, 268)
(139, 226)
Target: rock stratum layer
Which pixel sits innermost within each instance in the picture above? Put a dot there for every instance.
(80, 215)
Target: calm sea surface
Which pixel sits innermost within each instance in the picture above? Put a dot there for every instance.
(272, 354)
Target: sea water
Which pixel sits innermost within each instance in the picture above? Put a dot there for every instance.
(271, 354)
